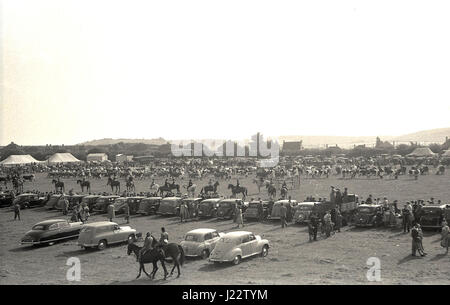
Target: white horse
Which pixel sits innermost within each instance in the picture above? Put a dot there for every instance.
(260, 183)
(154, 187)
(191, 189)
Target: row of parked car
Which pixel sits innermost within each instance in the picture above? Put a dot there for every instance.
(218, 246)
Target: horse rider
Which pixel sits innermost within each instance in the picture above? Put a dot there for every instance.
(237, 183)
(147, 246)
(164, 240)
(189, 183)
(166, 183)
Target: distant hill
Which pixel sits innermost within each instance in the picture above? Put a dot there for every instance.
(431, 135)
(109, 141)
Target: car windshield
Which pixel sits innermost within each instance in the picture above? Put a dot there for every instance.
(305, 207)
(194, 237)
(101, 200)
(227, 240)
(39, 227)
(225, 204)
(365, 210)
(431, 211)
(86, 229)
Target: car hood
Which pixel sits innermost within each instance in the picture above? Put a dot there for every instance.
(34, 233)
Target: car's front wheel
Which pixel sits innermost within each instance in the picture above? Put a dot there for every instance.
(265, 251)
(237, 260)
(205, 254)
(102, 244)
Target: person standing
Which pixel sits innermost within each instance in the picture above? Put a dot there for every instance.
(312, 226)
(239, 218)
(65, 206)
(16, 211)
(111, 212)
(406, 216)
(127, 212)
(164, 239)
(338, 220)
(333, 195)
(416, 240)
(260, 211)
(283, 213)
(445, 233)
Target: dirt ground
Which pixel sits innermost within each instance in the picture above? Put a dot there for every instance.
(292, 259)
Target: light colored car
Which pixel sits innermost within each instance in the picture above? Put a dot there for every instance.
(235, 246)
(200, 242)
(103, 233)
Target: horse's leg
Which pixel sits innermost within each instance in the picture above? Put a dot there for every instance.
(155, 268)
(140, 270)
(175, 263)
(164, 267)
(145, 271)
(178, 268)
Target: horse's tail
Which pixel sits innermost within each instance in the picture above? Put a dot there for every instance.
(182, 257)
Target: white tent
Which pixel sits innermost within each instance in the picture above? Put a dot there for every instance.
(62, 158)
(422, 152)
(18, 160)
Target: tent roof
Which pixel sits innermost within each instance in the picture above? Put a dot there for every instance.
(422, 152)
(62, 158)
(19, 159)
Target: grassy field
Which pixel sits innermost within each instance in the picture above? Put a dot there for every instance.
(292, 259)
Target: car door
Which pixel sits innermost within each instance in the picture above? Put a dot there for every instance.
(117, 234)
(214, 238)
(253, 245)
(246, 246)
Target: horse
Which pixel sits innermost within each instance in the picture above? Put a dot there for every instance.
(271, 190)
(114, 184)
(260, 183)
(84, 184)
(191, 189)
(168, 188)
(237, 190)
(284, 192)
(154, 187)
(59, 185)
(130, 186)
(149, 257)
(210, 188)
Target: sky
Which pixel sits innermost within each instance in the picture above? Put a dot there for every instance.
(73, 71)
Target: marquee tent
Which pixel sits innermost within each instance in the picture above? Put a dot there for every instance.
(18, 160)
(422, 152)
(62, 158)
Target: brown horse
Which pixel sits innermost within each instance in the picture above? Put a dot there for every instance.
(237, 190)
(84, 184)
(152, 256)
(59, 185)
(114, 184)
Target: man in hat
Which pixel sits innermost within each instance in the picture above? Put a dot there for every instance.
(332, 195)
(406, 220)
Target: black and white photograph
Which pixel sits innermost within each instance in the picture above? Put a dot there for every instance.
(236, 143)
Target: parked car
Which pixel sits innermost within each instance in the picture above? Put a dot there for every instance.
(208, 207)
(53, 201)
(289, 204)
(252, 211)
(368, 215)
(102, 203)
(200, 242)
(303, 211)
(119, 204)
(133, 203)
(104, 233)
(72, 199)
(52, 230)
(235, 246)
(193, 205)
(149, 206)
(29, 200)
(6, 199)
(431, 216)
(170, 206)
(227, 207)
(90, 201)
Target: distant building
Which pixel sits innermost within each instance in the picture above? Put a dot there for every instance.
(292, 148)
(123, 158)
(99, 157)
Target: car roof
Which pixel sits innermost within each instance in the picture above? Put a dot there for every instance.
(92, 196)
(285, 201)
(193, 198)
(50, 221)
(201, 230)
(100, 224)
(110, 196)
(26, 194)
(237, 234)
(211, 200)
(136, 197)
(309, 203)
(171, 198)
(370, 205)
(152, 198)
(231, 200)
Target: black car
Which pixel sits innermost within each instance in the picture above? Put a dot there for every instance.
(29, 200)
(50, 231)
(6, 199)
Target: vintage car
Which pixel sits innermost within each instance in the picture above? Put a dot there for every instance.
(431, 216)
(119, 204)
(368, 215)
(149, 206)
(192, 205)
(104, 233)
(102, 203)
(235, 246)
(53, 201)
(227, 208)
(252, 211)
(169, 206)
(90, 201)
(6, 199)
(200, 242)
(133, 203)
(289, 204)
(29, 200)
(303, 211)
(208, 207)
(50, 231)
(72, 199)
